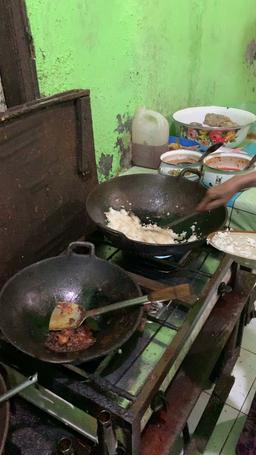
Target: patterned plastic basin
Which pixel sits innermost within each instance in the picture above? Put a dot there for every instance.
(192, 127)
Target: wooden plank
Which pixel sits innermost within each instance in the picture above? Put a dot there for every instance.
(42, 103)
(84, 124)
(43, 196)
(17, 57)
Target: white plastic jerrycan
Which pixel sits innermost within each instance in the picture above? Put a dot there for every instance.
(150, 132)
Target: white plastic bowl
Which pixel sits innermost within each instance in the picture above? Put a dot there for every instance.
(172, 162)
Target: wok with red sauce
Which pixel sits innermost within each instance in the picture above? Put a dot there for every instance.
(28, 298)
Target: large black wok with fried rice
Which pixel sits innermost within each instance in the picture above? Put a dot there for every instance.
(157, 199)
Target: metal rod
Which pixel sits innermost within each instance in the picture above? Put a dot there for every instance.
(106, 435)
(118, 306)
(152, 318)
(100, 383)
(30, 381)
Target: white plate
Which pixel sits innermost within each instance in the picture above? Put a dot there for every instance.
(240, 258)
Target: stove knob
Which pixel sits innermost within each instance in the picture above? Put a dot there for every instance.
(158, 402)
(65, 447)
(224, 289)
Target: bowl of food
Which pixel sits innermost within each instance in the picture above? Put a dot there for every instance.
(221, 166)
(173, 162)
(211, 124)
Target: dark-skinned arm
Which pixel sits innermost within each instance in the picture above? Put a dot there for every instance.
(219, 195)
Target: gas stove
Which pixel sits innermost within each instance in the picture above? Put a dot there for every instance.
(104, 406)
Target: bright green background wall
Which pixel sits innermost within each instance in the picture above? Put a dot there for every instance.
(164, 54)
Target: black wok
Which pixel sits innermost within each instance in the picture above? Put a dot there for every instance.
(156, 198)
(28, 298)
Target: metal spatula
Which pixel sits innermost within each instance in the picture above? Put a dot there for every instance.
(250, 164)
(68, 315)
(182, 219)
(213, 148)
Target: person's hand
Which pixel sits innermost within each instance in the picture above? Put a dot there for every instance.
(218, 196)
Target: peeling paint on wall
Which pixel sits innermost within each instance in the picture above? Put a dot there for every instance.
(250, 57)
(124, 123)
(123, 146)
(251, 52)
(105, 165)
(123, 141)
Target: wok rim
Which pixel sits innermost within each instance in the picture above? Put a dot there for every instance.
(138, 244)
(159, 245)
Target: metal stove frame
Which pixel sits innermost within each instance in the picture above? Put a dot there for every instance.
(81, 404)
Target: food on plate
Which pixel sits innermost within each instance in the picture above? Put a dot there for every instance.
(219, 120)
(133, 228)
(70, 340)
(176, 146)
(235, 244)
(187, 160)
(196, 124)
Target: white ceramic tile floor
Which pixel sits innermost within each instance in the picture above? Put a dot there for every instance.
(245, 374)
(232, 419)
(249, 338)
(230, 444)
(198, 411)
(248, 401)
(222, 430)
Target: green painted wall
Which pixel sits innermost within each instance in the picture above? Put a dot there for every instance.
(164, 54)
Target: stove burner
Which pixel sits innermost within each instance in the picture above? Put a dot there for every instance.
(177, 257)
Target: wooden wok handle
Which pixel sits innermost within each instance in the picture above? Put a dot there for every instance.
(175, 292)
